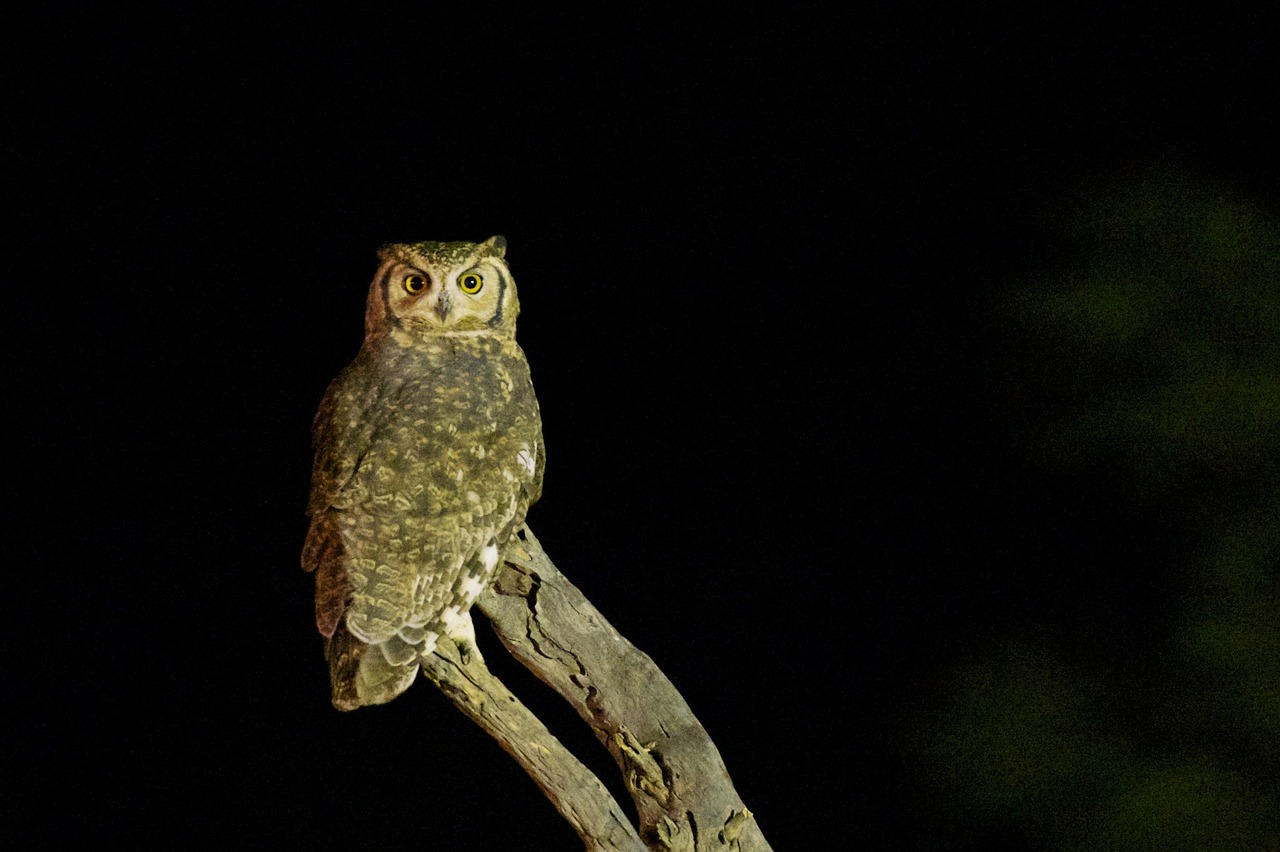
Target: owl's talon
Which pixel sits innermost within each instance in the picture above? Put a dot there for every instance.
(469, 653)
(462, 630)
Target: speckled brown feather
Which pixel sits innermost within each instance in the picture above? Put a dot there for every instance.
(428, 454)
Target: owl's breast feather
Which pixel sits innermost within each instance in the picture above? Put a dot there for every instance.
(454, 429)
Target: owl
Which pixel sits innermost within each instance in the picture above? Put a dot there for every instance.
(428, 453)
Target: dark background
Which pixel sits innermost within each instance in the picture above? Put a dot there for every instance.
(757, 255)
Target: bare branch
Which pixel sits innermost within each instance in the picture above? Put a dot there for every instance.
(683, 794)
(576, 793)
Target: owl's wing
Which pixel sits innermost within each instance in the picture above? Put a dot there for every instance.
(341, 438)
(322, 554)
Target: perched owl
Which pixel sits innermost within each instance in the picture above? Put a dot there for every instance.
(428, 453)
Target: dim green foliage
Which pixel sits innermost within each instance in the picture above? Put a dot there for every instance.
(1168, 331)
(1022, 739)
(1162, 341)
(1185, 804)
(1231, 634)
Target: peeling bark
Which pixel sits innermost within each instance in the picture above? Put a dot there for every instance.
(576, 793)
(682, 791)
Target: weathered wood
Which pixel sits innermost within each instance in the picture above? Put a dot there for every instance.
(682, 791)
(575, 792)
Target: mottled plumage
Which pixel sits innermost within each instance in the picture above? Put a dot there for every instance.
(428, 453)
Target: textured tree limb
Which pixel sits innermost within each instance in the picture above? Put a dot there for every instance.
(576, 793)
(682, 792)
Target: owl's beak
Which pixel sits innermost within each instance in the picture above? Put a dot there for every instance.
(441, 307)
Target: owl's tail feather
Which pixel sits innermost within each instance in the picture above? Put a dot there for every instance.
(363, 674)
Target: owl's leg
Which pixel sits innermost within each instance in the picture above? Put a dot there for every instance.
(459, 627)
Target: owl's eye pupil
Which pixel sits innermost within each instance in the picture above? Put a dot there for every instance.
(471, 284)
(414, 284)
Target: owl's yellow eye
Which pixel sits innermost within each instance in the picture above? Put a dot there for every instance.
(414, 284)
(471, 283)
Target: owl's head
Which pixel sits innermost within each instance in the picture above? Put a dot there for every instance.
(441, 288)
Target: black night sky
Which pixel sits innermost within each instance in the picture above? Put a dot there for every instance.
(761, 259)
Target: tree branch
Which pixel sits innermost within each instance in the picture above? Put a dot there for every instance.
(682, 792)
(576, 793)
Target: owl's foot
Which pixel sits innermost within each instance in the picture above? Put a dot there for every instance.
(462, 631)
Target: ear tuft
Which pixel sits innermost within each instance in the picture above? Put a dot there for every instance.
(497, 245)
